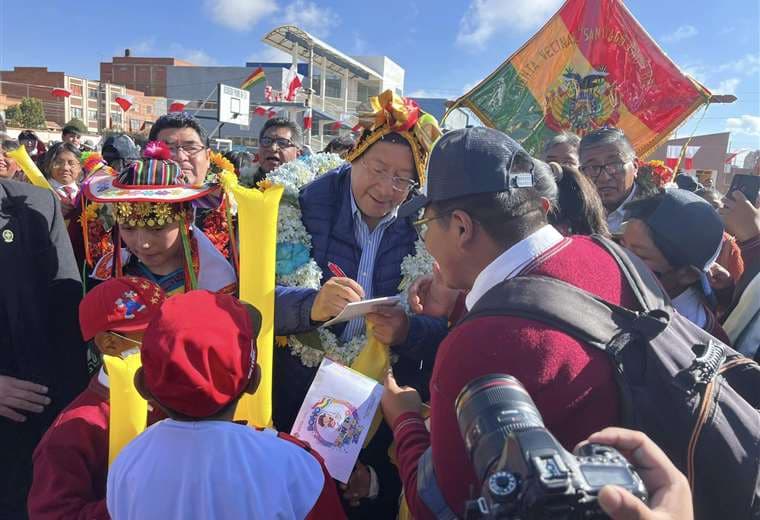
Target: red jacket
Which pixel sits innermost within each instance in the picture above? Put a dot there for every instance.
(572, 385)
(71, 460)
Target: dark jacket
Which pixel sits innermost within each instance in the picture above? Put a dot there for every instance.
(40, 339)
(326, 210)
(326, 214)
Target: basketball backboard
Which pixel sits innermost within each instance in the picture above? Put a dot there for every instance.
(234, 105)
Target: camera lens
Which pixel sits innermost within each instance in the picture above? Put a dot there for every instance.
(488, 410)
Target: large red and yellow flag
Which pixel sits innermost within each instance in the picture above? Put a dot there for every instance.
(591, 65)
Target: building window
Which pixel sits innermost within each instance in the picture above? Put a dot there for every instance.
(332, 85)
(364, 92)
(76, 112)
(116, 118)
(134, 125)
(92, 115)
(76, 90)
(92, 93)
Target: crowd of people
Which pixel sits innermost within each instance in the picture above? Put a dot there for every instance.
(158, 283)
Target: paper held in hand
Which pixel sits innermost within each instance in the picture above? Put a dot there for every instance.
(336, 416)
(357, 309)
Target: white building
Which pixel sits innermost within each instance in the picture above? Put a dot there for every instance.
(334, 85)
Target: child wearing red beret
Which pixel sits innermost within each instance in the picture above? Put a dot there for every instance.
(71, 460)
(199, 463)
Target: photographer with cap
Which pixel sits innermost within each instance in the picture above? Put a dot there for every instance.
(485, 221)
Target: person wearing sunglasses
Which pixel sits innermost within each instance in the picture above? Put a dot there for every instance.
(71, 460)
(280, 141)
(608, 159)
(351, 214)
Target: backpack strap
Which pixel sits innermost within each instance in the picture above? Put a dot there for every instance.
(645, 286)
(580, 314)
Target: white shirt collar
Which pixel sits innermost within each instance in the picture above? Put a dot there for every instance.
(57, 186)
(616, 218)
(103, 377)
(512, 261)
(689, 305)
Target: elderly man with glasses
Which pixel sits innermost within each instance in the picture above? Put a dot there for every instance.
(359, 242)
(610, 162)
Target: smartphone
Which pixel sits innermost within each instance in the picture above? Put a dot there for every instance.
(749, 185)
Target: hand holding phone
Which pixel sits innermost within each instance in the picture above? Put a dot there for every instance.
(749, 185)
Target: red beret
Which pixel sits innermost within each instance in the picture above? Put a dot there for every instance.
(199, 352)
(120, 304)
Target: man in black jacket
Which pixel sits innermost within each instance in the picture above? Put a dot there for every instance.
(42, 355)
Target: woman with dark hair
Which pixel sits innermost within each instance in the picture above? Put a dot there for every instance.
(579, 209)
(63, 169)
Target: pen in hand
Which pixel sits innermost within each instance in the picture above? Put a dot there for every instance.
(336, 270)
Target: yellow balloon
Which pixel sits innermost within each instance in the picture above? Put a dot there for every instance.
(257, 228)
(129, 411)
(373, 361)
(30, 169)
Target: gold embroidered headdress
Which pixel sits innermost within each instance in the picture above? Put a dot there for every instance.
(390, 113)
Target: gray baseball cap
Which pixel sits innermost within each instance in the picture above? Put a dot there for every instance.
(120, 146)
(468, 162)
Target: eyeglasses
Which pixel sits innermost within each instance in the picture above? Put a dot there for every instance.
(189, 149)
(613, 169)
(421, 225)
(267, 142)
(61, 163)
(399, 184)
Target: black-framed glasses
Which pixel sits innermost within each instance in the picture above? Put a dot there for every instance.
(613, 169)
(399, 184)
(189, 149)
(421, 225)
(281, 142)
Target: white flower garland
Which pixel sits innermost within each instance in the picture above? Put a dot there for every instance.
(313, 346)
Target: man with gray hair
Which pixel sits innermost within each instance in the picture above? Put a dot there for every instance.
(563, 149)
(610, 162)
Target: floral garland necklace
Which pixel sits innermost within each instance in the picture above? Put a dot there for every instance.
(296, 267)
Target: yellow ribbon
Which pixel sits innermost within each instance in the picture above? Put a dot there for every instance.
(373, 361)
(257, 224)
(129, 411)
(33, 173)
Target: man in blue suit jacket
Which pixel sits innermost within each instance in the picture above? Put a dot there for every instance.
(351, 216)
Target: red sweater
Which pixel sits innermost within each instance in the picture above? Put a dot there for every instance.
(71, 460)
(572, 385)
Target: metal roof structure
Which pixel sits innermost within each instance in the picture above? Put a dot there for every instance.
(287, 37)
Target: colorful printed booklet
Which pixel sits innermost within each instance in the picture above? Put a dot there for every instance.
(336, 416)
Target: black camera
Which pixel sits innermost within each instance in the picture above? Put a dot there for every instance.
(524, 472)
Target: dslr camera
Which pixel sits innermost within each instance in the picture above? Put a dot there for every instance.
(523, 471)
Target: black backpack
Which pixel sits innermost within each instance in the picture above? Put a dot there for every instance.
(698, 399)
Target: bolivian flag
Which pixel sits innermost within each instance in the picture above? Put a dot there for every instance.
(256, 77)
(591, 65)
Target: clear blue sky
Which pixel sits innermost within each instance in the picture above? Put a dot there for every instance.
(446, 46)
